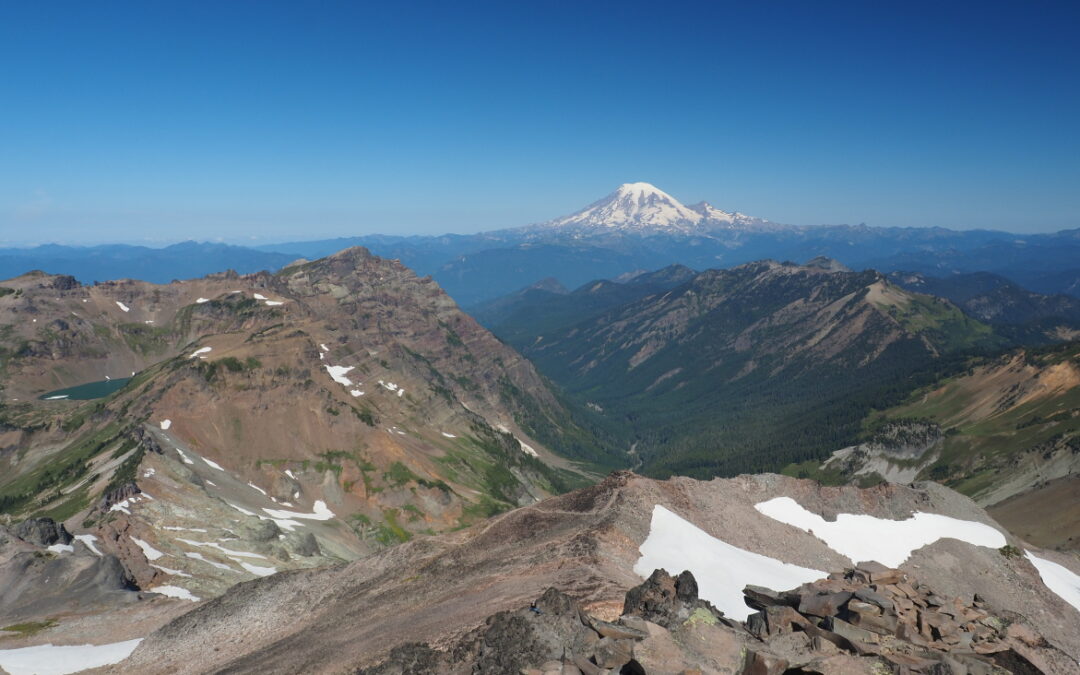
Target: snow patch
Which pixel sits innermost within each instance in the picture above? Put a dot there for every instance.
(123, 306)
(165, 424)
(721, 570)
(123, 506)
(49, 659)
(390, 386)
(337, 374)
(166, 570)
(62, 548)
(185, 458)
(56, 398)
(202, 300)
(256, 487)
(260, 296)
(319, 512)
(88, 541)
(290, 474)
(889, 542)
(324, 347)
(149, 551)
(200, 558)
(149, 473)
(201, 350)
(183, 529)
(227, 551)
(256, 570)
(527, 449)
(1058, 578)
(274, 303)
(356, 392)
(212, 464)
(448, 435)
(242, 510)
(175, 592)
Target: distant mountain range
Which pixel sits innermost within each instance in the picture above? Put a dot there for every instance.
(729, 371)
(638, 226)
(157, 265)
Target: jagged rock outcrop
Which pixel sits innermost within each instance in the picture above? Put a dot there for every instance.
(42, 532)
(886, 616)
(869, 619)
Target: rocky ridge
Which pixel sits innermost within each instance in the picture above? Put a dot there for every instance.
(589, 544)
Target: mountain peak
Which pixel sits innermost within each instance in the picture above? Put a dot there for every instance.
(643, 207)
(642, 189)
(634, 206)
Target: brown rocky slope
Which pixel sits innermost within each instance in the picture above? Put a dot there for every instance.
(272, 421)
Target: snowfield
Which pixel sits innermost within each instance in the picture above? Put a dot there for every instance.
(721, 570)
(256, 570)
(319, 512)
(149, 551)
(175, 592)
(51, 659)
(88, 541)
(1058, 578)
(123, 306)
(167, 570)
(889, 542)
(337, 374)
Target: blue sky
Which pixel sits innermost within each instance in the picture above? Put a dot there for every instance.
(163, 121)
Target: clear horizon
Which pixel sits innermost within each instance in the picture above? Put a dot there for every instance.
(270, 122)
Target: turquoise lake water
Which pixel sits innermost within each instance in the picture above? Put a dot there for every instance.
(88, 391)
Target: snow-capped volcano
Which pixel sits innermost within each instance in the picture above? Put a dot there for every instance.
(645, 207)
(634, 204)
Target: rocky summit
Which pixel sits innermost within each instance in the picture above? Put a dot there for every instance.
(868, 619)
